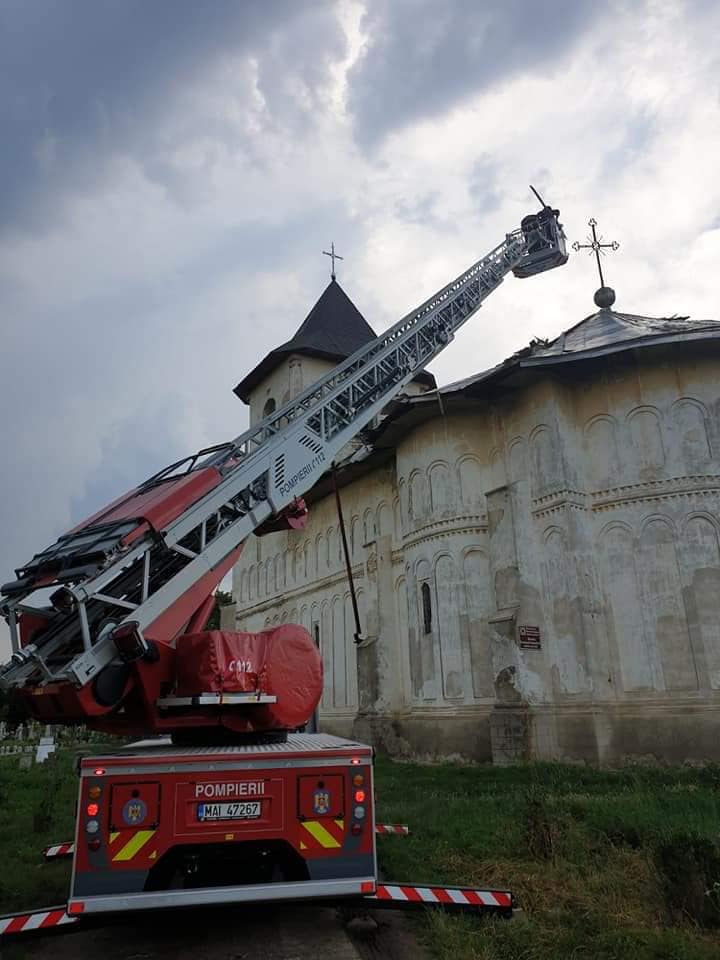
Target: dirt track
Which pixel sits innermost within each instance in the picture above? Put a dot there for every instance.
(244, 933)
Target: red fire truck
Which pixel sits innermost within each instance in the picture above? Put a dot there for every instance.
(228, 801)
(160, 826)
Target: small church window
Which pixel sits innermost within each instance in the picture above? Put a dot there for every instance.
(426, 608)
(269, 407)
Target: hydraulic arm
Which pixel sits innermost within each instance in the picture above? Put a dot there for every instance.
(95, 617)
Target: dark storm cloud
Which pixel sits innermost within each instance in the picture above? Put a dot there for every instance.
(82, 80)
(422, 56)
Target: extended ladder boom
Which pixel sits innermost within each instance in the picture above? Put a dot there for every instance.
(115, 570)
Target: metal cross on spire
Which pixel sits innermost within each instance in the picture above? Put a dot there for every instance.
(595, 245)
(333, 256)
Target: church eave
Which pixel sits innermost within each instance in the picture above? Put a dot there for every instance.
(526, 359)
(272, 361)
(620, 347)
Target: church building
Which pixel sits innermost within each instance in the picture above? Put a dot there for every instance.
(535, 549)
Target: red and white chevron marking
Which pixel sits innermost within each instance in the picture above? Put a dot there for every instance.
(450, 896)
(42, 920)
(401, 829)
(59, 850)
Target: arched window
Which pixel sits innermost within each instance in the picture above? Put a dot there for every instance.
(269, 407)
(426, 608)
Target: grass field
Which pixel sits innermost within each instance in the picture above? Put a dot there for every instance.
(605, 865)
(37, 808)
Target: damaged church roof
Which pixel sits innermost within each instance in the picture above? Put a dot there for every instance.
(605, 332)
(602, 333)
(333, 330)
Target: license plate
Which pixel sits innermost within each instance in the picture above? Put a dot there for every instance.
(229, 811)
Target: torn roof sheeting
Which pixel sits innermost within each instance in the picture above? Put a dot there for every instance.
(602, 333)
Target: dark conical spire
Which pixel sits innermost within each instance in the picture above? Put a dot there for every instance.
(333, 330)
(334, 327)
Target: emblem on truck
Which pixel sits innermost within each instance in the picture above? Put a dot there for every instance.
(134, 812)
(321, 801)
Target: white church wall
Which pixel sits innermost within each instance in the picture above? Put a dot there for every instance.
(587, 506)
(285, 382)
(441, 479)
(312, 588)
(664, 476)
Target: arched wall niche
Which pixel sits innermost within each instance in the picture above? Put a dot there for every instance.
(517, 456)
(645, 440)
(545, 460)
(700, 542)
(477, 606)
(664, 605)
(416, 497)
(384, 520)
(469, 474)
(601, 451)
(690, 420)
(617, 553)
(425, 667)
(441, 492)
(447, 627)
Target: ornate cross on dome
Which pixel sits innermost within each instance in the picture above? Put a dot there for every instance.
(595, 245)
(333, 256)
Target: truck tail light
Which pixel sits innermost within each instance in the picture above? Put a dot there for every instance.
(358, 780)
(356, 829)
(359, 796)
(92, 809)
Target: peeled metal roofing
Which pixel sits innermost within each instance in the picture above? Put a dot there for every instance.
(606, 331)
(608, 328)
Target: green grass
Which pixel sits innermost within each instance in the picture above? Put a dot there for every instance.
(605, 864)
(36, 809)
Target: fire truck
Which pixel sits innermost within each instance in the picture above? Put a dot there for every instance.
(225, 799)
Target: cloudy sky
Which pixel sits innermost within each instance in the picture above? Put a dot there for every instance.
(171, 171)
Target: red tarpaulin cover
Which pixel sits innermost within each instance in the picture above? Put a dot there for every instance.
(283, 662)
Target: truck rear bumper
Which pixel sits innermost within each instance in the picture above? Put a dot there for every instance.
(158, 900)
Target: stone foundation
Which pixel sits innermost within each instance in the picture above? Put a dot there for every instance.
(674, 732)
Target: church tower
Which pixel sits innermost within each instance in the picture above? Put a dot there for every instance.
(332, 331)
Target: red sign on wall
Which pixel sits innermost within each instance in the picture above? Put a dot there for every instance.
(529, 637)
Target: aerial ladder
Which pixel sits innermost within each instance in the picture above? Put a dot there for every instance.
(96, 619)
(237, 804)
